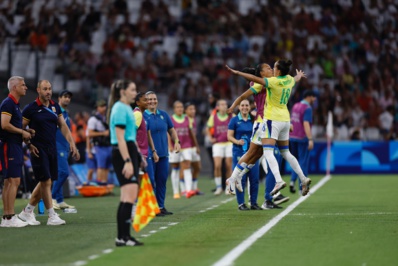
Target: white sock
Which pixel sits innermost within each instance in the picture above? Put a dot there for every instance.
(218, 182)
(182, 185)
(188, 179)
(29, 208)
(175, 179)
(51, 212)
(272, 162)
(239, 171)
(293, 163)
(195, 184)
(264, 164)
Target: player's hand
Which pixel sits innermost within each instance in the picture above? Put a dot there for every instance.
(26, 135)
(177, 147)
(155, 157)
(33, 150)
(233, 71)
(128, 170)
(75, 153)
(300, 74)
(90, 155)
(106, 133)
(198, 150)
(230, 110)
(144, 163)
(31, 131)
(310, 145)
(241, 142)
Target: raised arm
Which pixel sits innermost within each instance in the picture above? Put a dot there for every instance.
(299, 74)
(246, 76)
(238, 100)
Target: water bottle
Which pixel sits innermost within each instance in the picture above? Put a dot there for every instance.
(40, 207)
(245, 146)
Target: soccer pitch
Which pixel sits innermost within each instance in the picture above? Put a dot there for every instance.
(350, 220)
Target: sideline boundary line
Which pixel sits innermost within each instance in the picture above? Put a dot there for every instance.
(230, 257)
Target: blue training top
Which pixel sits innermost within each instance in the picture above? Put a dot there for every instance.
(242, 130)
(62, 143)
(159, 124)
(122, 115)
(10, 106)
(44, 120)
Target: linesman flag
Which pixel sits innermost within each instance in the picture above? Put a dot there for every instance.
(147, 206)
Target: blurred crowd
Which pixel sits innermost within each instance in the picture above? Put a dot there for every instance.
(347, 48)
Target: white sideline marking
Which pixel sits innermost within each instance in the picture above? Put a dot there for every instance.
(342, 214)
(163, 227)
(173, 223)
(231, 256)
(93, 257)
(80, 263)
(107, 251)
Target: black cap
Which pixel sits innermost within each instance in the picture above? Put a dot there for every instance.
(65, 92)
(308, 93)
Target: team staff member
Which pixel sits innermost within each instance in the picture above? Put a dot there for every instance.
(44, 116)
(301, 142)
(125, 156)
(11, 153)
(63, 154)
(160, 125)
(239, 132)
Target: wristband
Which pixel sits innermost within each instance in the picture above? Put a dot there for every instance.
(177, 141)
(128, 160)
(153, 151)
(28, 144)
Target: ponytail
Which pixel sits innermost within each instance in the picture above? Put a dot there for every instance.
(116, 87)
(284, 66)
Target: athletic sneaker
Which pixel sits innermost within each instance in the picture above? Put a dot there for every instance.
(165, 212)
(268, 205)
(199, 193)
(28, 217)
(230, 187)
(306, 186)
(190, 194)
(278, 186)
(56, 205)
(281, 199)
(238, 184)
(129, 242)
(292, 188)
(13, 222)
(255, 207)
(5, 222)
(176, 196)
(218, 191)
(243, 207)
(55, 220)
(64, 205)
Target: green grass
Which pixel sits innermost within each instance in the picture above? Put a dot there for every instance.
(351, 220)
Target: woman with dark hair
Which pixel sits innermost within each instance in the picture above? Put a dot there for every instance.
(276, 128)
(160, 125)
(125, 156)
(190, 111)
(144, 137)
(239, 132)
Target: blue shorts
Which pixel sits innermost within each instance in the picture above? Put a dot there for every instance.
(11, 157)
(103, 154)
(46, 165)
(91, 163)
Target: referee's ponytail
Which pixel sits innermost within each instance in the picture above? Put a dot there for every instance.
(116, 87)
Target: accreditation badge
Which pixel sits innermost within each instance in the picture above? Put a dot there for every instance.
(54, 110)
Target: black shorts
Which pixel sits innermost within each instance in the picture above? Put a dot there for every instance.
(46, 165)
(118, 163)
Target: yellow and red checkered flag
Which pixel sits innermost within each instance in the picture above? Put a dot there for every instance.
(147, 206)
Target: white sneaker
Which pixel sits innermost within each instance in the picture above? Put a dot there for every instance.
(218, 191)
(230, 186)
(55, 220)
(56, 205)
(16, 222)
(238, 184)
(28, 217)
(5, 222)
(64, 205)
(278, 186)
